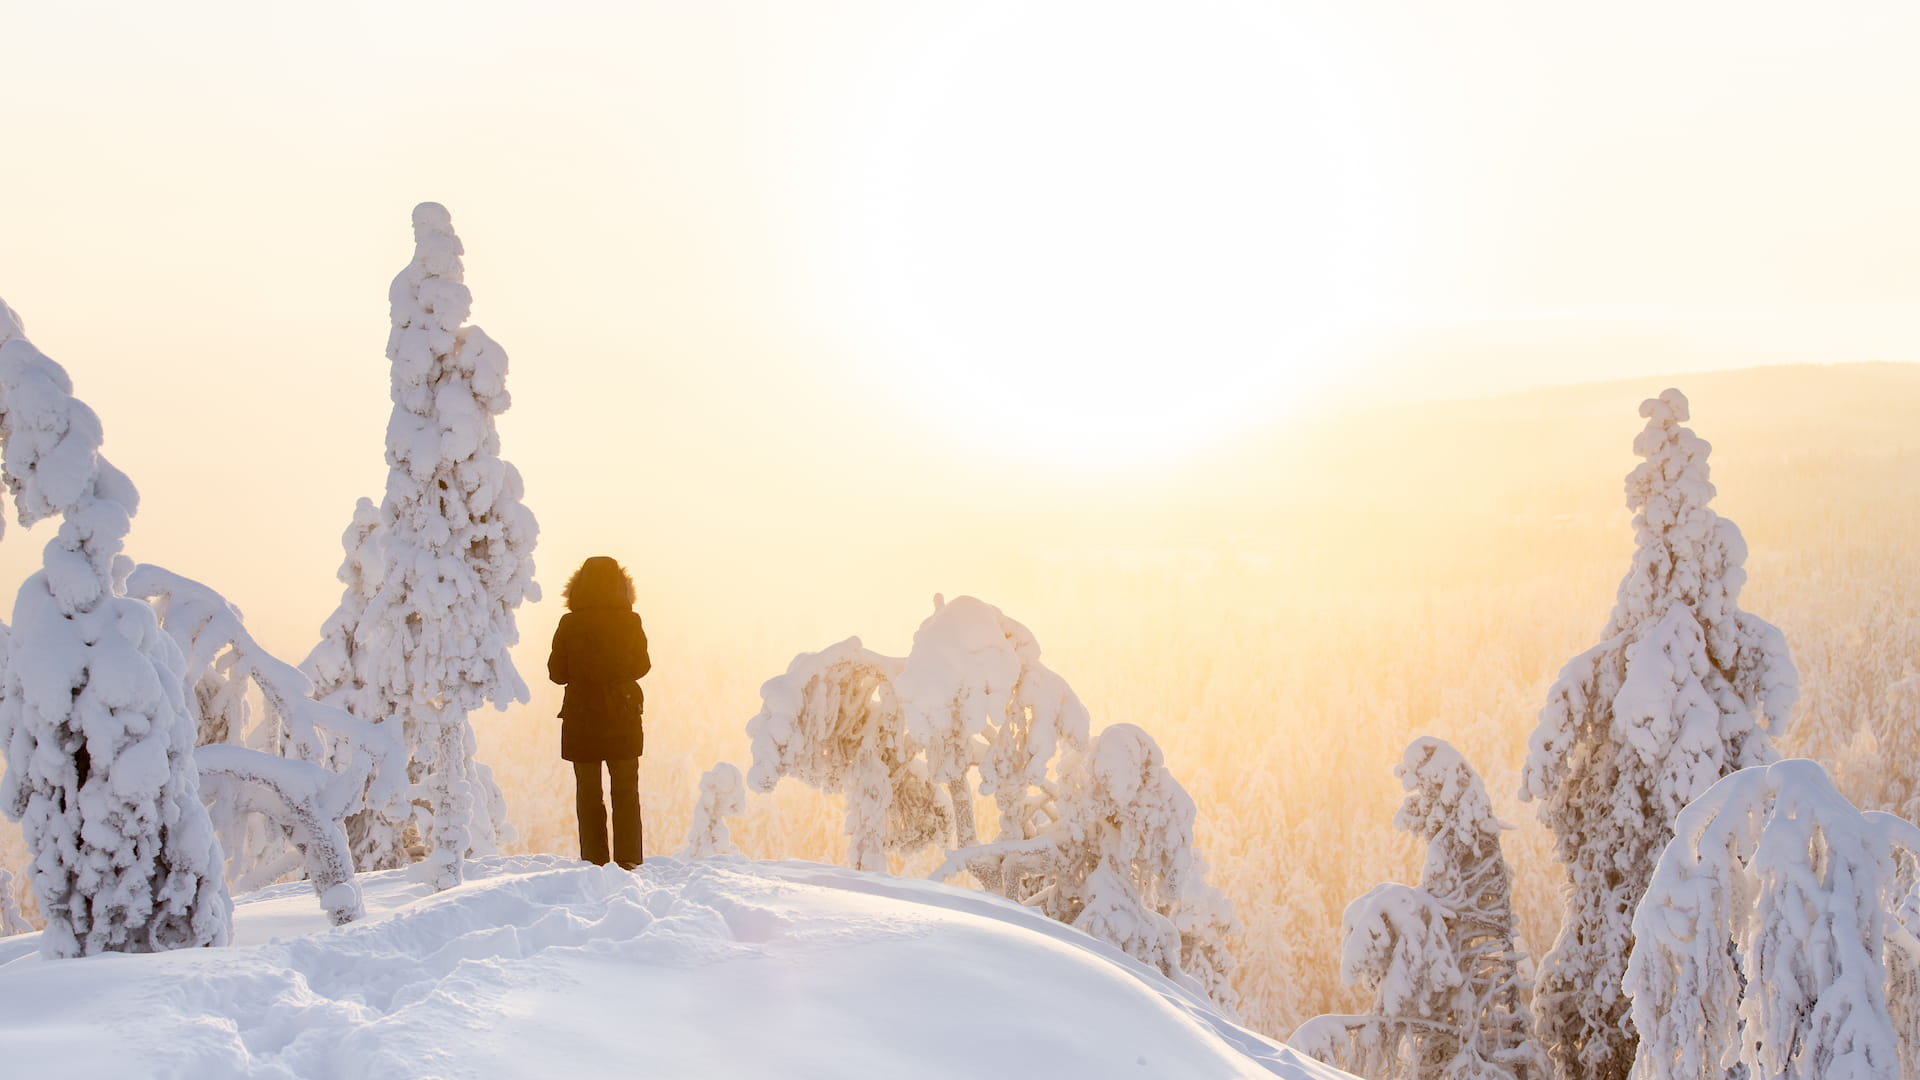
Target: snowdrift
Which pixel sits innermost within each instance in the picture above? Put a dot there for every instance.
(542, 966)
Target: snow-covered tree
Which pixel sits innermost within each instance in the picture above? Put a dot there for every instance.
(1683, 689)
(902, 737)
(422, 634)
(833, 722)
(280, 788)
(1442, 960)
(1771, 937)
(723, 794)
(1119, 863)
(93, 714)
(1104, 843)
(974, 692)
(12, 919)
(1394, 940)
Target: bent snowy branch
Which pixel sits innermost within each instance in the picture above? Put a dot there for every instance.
(305, 800)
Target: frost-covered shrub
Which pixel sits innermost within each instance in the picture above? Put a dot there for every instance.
(1683, 689)
(723, 794)
(93, 715)
(1450, 995)
(289, 779)
(1772, 941)
(421, 636)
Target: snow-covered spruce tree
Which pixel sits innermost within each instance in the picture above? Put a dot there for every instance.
(1769, 938)
(93, 714)
(422, 635)
(723, 795)
(1466, 871)
(279, 789)
(1442, 960)
(1683, 689)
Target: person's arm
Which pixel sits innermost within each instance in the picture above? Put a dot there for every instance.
(643, 662)
(557, 659)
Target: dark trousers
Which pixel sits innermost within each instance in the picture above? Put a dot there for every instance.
(593, 810)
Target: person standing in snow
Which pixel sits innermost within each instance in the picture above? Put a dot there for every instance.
(599, 655)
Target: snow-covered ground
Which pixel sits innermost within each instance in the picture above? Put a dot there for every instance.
(542, 966)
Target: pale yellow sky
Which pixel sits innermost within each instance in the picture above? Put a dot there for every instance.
(771, 273)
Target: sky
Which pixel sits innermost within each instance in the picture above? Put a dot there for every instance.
(851, 276)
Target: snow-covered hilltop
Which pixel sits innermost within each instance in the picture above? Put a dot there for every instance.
(539, 966)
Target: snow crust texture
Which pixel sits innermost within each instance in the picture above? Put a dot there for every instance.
(1683, 688)
(541, 965)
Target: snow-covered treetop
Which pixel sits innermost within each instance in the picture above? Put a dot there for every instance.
(1394, 941)
(52, 465)
(52, 438)
(1129, 788)
(453, 506)
(1685, 553)
(1445, 798)
(973, 671)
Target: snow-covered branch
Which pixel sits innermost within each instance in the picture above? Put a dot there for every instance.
(336, 765)
(1771, 936)
(305, 800)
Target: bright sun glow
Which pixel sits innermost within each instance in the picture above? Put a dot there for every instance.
(1107, 238)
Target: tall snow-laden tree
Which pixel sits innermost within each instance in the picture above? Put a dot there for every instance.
(1771, 937)
(422, 634)
(93, 713)
(1683, 688)
(1442, 959)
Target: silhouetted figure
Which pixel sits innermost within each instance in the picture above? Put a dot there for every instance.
(599, 655)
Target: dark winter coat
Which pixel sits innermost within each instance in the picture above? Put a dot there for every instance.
(599, 654)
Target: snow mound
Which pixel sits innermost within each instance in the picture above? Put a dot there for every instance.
(542, 966)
